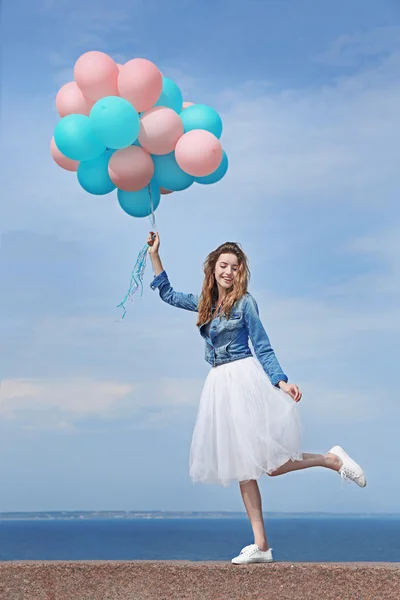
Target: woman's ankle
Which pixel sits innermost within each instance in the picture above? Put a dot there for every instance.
(333, 462)
(262, 544)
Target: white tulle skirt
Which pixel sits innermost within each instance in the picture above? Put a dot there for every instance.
(245, 426)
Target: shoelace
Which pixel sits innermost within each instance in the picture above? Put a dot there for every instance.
(347, 474)
(251, 549)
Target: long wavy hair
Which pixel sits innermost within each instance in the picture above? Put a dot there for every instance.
(209, 293)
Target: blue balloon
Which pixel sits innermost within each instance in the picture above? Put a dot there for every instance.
(218, 174)
(168, 173)
(115, 122)
(74, 137)
(171, 95)
(137, 204)
(93, 175)
(201, 116)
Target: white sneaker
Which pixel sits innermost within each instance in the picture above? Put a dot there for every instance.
(253, 554)
(350, 470)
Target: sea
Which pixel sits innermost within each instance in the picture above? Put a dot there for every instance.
(293, 538)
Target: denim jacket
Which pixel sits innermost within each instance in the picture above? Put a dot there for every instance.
(228, 339)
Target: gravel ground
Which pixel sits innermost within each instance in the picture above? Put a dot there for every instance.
(175, 580)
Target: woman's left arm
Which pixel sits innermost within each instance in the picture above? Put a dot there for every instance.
(261, 344)
(263, 349)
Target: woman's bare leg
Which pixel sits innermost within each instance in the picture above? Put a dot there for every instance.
(252, 497)
(252, 501)
(328, 461)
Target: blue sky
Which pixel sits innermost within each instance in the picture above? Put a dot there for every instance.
(98, 414)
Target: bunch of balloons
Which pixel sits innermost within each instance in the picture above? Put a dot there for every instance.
(126, 127)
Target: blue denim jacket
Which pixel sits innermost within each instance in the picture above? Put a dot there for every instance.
(228, 339)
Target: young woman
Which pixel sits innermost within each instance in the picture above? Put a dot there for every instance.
(247, 422)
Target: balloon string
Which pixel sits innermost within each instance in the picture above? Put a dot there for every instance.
(152, 217)
(138, 271)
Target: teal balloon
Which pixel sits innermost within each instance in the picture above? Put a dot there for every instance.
(217, 175)
(168, 173)
(93, 175)
(201, 116)
(115, 122)
(137, 204)
(171, 95)
(75, 138)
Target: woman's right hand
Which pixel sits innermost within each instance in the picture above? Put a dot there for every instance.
(154, 242)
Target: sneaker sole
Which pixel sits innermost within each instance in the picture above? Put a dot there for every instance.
(249, 562)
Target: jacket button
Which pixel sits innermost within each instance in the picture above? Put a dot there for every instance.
(215, 327)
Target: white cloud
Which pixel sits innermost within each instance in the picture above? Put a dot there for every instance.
(92, 16)
(336, 143)
(325, 404)
(382, 246)
(348, 50)
(340, 313)
(79, 405)
(76, 396)
(66, 404)
(95, 24)
(375, 293)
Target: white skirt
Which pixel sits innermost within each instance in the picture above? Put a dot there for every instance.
(245, 426)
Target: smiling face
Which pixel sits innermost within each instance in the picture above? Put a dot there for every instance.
(226, 277)
(226, 270)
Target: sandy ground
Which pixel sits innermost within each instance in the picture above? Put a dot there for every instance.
(175, 580)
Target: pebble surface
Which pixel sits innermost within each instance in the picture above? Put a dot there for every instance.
(176, 580)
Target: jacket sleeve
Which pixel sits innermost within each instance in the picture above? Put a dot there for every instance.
(170, 296)
(261, 344)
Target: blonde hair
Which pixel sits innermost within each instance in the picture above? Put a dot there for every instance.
(209, 291)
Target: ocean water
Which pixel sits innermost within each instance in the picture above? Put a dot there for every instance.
(201, 539)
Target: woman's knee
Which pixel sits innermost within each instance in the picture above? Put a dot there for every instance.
(247, 482)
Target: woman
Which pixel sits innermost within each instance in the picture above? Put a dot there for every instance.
(247, 422)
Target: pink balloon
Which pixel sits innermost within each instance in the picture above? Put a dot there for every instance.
(187, 104)
(119, 66)
(198, 152)
(61, 160)
(131, 169)
(140, 82)
(160, 129)
(70, 101)
(164, 191)
(97, 75)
